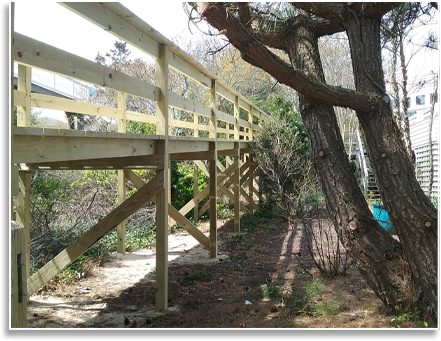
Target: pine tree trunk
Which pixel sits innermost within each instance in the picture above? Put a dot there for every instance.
(411, 212)
(377, 255)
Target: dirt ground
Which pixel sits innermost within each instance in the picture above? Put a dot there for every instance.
(204, 292)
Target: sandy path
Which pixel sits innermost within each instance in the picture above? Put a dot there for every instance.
(85, 305)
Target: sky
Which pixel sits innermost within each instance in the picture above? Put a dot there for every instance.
(55, 25)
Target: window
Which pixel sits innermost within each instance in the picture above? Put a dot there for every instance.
(420, 100)
(409, 102)
(434, 98)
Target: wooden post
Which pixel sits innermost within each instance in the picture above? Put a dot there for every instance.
(236, 118)
(250, 120)
(236, 188)
(121, 228)
(162, 200)
(24, 182)
(251, 183)
(212, 168)
(23, 209)
(213, 202)
(195, 192)
(18, 277)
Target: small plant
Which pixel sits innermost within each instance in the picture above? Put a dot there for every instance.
(201, 276)
(409, 318)
(269, 291)
(315, 289)
(315, 305)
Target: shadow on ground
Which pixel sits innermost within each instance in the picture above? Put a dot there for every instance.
(256, 282)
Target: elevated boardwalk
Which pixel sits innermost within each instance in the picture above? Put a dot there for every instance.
(48, 149)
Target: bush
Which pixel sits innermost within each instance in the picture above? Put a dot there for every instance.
(282, 150)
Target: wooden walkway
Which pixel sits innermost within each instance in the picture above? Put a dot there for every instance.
(229, 136)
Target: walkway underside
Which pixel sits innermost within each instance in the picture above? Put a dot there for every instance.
(45, 149)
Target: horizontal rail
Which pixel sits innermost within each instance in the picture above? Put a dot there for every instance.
(124, 24)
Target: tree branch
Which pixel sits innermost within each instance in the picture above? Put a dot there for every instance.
(335, 11)
(260, 56)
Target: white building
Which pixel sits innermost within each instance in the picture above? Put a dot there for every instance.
(420, 99)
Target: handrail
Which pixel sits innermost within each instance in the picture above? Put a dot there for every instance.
(30, 53)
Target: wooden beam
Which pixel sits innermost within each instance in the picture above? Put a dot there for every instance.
(149, 161)
(251, 183)
(213, 202)
(190, 156)
(162, 198)
(29, 148)
(201, 165)
(23, 214)
(31, 52)
(236, 184)
(196, 189)
(64, 104)
(189, 105)
(89, 238)
(121, 228)
(18, 277)
(24, 85)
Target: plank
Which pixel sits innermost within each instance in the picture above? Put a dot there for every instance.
(39, 149)
(89, 238)
(31, 52)
(225, 93)
(184, 67)
(186, 104)
(223, 116)
(202, 167)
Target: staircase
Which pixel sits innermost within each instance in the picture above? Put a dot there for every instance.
(354, 146)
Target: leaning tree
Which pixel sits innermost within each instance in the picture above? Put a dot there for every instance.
(256, 30)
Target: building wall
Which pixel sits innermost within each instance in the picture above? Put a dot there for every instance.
(419, 113)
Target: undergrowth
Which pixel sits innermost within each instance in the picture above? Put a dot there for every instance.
(137, 237)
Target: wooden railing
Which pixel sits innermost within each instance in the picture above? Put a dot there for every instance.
(30, 53)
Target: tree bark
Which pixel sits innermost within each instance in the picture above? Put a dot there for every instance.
(411, 212)
(377, 255)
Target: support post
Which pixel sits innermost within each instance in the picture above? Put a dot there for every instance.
(24, 191)
(212, 168)
(162, 200)
(251, 183)
(121, 228)
(18, 277)
(213, 202)
(23, 216)
(236, 188)
(195, 192)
